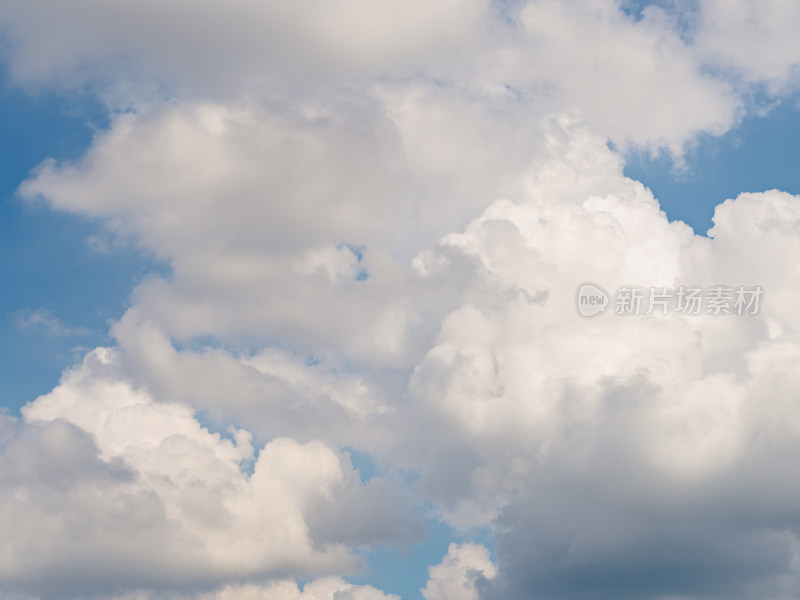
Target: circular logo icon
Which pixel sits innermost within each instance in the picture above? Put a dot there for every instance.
(592, 300)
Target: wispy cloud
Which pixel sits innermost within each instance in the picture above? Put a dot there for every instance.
(41, 319)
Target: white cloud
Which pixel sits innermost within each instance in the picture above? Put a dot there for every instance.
(105, 489)
(635, 81)
(456, 576)
(326, 588)
(754, 39)
(601, 448)
(515, 405)
(390, 264)
(242, 45)
(245, 201)
(275, 391)
(322, 589)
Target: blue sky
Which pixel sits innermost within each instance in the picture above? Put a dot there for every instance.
(47, 260)
(41, 247)
(756, 156)
(357, 340)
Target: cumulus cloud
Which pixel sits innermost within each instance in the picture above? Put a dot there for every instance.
(640, 74)
(753, 39)
(617, 457)
(326, 588)
(332, 588)
(375, 251)
(456, 576)
(243, 201)
(106, 489)
(636, 80)
(648, 425)
(242, 45)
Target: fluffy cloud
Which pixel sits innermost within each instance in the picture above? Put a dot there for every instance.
(326, 588)
(637, 81)
(244, 201)
(322, 589)
(105, 489)
(648, 425)
(632, 457)
(754, 39)
(390, 264)
(241, 45)
(455, 578)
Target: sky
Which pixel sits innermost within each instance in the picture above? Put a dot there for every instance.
(295, 306)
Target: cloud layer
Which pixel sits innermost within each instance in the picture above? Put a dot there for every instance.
(376, 221)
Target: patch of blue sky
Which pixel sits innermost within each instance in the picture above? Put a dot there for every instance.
(358, 251)
(684, 12)
(404, 570)
(363, 463)
(57, 293)
(762, 153)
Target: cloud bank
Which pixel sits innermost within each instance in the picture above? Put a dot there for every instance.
(376, 221)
